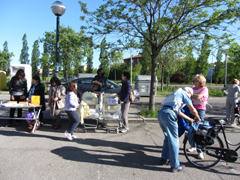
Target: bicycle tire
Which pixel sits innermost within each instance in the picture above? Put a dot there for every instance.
(237, 119)
(208, 161)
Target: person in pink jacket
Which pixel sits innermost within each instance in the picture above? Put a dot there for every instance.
(199, 100)
(200, 95)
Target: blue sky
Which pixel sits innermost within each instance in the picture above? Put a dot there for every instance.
(18, 17)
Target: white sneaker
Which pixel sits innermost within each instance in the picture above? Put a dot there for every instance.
(124, 130)
(200, 155)
(69, 136)
(192, 149)
(74, 136)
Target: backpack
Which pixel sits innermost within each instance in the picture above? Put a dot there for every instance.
(132, 96)
(205, 136)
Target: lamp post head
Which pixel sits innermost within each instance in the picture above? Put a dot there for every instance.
(58, 8)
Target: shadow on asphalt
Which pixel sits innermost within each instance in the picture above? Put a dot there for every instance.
(123, 154)
(135, 157)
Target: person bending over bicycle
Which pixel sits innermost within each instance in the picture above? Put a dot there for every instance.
(167, 118)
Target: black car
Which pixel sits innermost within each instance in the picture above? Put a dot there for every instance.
(69, 78)
(84, 84)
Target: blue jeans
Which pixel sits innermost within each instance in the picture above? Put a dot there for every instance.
(201, 113)
(73, 121)
(194, 127)
(168, 122)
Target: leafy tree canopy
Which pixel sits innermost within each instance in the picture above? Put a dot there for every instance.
(159, 22)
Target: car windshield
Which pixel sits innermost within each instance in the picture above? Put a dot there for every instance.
(109, 83)
(89, 81)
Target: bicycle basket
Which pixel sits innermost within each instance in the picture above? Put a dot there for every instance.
(205, 136)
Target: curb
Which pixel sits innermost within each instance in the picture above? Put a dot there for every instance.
(134, 119)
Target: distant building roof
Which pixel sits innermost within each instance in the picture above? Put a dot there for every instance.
(137, 56)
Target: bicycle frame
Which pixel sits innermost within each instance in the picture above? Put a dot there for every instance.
(227, 154)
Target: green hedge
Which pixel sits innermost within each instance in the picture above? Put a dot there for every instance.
(168, 90)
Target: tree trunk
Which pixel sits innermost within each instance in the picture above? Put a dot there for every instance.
(153, 83)
(168, 79)
(115, 74)
(48, 75)
(66, 71)
(162, 82)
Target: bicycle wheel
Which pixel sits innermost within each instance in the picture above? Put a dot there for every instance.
(237, 119)
(207, 161)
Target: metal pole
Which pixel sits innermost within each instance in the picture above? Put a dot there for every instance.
(57, 48)
(131, 67)
(211, 71)
(225, 84)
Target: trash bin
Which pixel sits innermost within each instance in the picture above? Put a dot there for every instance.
(3, 80)
(143, 84)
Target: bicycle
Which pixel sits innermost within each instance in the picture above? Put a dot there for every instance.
(237, 113)
(212, 153)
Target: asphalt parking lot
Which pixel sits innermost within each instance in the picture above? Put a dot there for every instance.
(47, 154)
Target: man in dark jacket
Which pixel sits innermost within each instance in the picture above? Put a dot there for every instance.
(100, 79)
(38, 88)
(124, 99)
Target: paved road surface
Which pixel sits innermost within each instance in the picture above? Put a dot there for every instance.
(133, 155)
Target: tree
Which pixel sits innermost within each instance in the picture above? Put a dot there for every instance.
(115, 60)
(35, 62)
(169, 59)
(73, 47)
(5, 46)
(189, 67)
(90, 58)
(90, 63)
(145, 60)
(218, 74)
(24, 52)
(5, 58)
(44, 61)
(159, 22)
(233, 68)
(103, 57)
(202, 61)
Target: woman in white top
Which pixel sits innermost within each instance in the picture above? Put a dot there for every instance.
(71, 105)
(232, 99)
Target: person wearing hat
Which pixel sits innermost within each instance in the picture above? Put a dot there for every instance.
(168, 117)
(38, 88)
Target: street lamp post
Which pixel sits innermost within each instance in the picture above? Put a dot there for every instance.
(226, 58)
(58, 9)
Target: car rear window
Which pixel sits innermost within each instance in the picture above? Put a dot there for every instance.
(86, 81)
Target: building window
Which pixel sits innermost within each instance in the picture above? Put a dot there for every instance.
(132, 62)
(137, 60)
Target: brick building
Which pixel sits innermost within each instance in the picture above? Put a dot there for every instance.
(135, 59)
